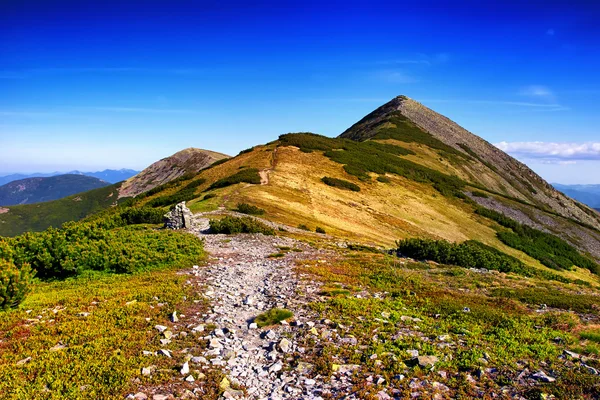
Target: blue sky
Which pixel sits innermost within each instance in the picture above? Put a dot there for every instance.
(92, 85)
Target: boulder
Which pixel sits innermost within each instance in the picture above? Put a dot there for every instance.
(179, 217)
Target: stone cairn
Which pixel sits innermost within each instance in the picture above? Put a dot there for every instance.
(179, 217)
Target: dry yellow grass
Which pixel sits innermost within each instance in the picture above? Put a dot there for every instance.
(379, 214)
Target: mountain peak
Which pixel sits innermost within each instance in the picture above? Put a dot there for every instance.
(414, 125)
(190, 160)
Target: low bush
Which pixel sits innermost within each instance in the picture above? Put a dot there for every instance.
(245, 208)
(272, 317)
(340, 183)
(249, 175)
(14, 283)
(593, 336)
(383, 179)
(549, 249)
(104, 243)
(234, 225)
(361, 247)
(142, 215)
(320, 230)
(250, 150)
(477, 193)
(303, 227)
(209, 196)
(551, 297)
(187, 193)
(469, 254)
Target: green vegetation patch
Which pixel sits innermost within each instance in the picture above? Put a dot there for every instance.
(549, 249)
(591, 335)
(102, 327)
(272, 317)
(469, 254)
(552, 298)
(340, 184)
(477, 193)
(249, 175)
(37, 217)
(245, 208)
(81, 247)
(449, 316)
(187, 193)
(14, 283)
(234, 225)
(406, 131)
(361, 158)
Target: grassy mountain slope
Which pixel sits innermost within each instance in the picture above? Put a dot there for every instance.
(190, 160)
(477, 159)
(15, 220)
(384, 210)
(36, 190)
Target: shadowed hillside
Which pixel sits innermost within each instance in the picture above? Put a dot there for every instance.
(37, 190)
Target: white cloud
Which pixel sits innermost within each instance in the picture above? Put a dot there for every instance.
(567, 153)
(538, 92)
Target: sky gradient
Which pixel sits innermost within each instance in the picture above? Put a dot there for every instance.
(90, 86)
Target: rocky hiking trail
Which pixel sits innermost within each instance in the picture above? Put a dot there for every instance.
(241, 281)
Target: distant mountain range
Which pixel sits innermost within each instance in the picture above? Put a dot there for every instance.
(587, 194)
(108, 175)
(40, 189)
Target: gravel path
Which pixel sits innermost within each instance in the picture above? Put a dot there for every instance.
(242, 282)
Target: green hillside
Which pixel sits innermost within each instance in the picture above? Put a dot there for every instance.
(36, 190)
(15, 220)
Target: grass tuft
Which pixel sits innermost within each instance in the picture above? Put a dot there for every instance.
(272, 317)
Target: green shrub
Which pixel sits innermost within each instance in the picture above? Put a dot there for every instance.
(14, 283)
(249, 175)
(551, 297)
(340, 183)
(593, 336)
(251, 149)
(102, 245)
(383, 179)
(320, 230)
(186, 193)
(477, 193)
(361, 247)
(245, 208)
(272, 317)
(234, 225)
(142, 215)
(276, 255)
(469, 254)
(303, 227)
(549, 249)
(209, 196)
